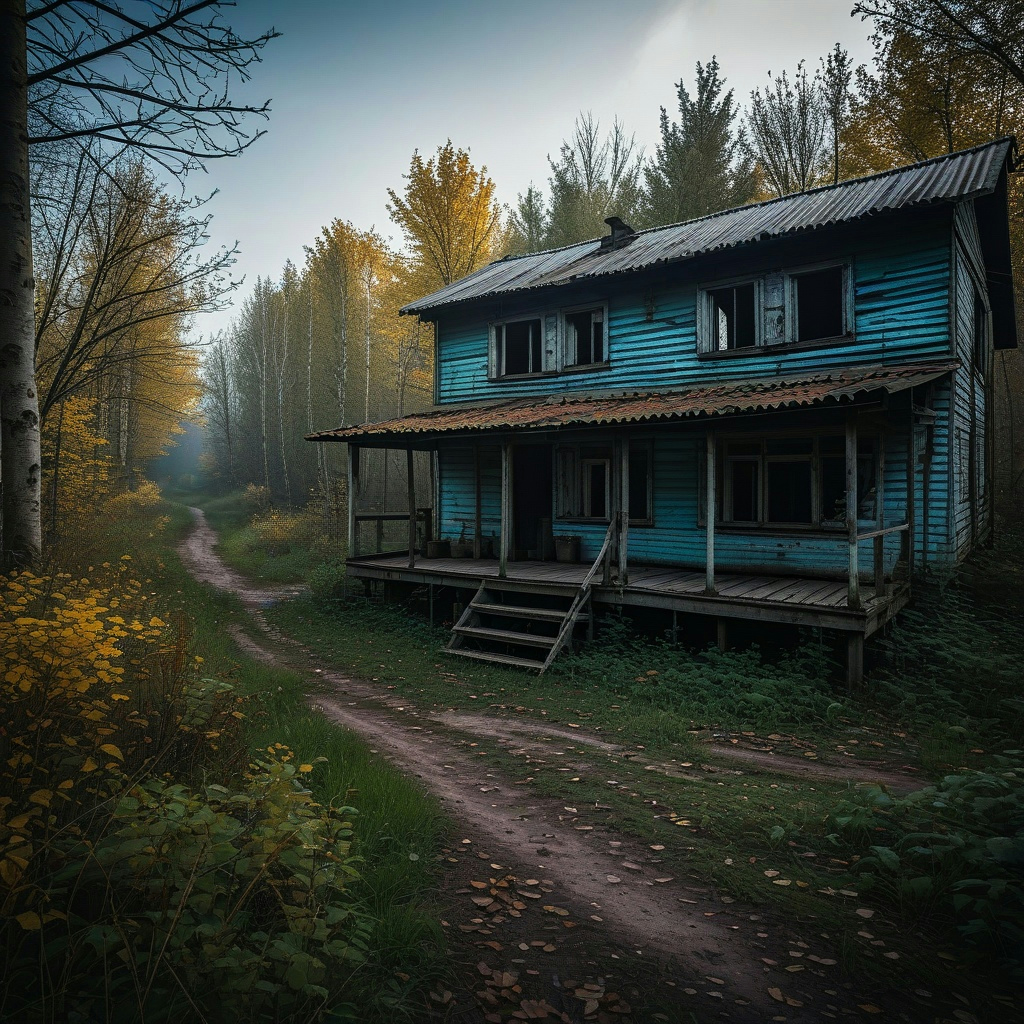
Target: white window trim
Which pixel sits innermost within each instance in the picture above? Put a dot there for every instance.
(496, 372)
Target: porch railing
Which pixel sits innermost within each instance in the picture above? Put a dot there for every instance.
(424, 529)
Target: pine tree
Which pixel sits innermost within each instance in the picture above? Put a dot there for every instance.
(700, 165)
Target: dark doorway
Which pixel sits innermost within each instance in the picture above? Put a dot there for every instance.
(531, 501)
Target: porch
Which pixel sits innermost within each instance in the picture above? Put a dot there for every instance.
(783, 599)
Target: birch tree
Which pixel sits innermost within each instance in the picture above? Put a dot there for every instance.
(154, 81)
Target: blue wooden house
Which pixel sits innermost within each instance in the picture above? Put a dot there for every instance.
(777, 413)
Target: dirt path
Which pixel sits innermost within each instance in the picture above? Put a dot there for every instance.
(557, 871)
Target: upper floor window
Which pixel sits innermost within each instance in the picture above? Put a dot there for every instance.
(584, 336)
(549, 342)
(805, 306)
(518, 347)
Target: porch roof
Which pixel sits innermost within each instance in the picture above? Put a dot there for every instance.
(721, 399)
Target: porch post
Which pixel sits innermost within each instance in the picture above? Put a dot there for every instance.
(911, 490)
(352, 540)
(879, 546)
(624, 513)
(709, 514)
(411, 481)
(505, 540)
(854, 660)
(477, 540)
(853, 587)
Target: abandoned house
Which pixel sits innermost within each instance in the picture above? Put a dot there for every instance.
(778, 413)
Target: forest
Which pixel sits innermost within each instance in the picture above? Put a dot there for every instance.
(192, 829)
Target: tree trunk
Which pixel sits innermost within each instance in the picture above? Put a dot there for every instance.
(20, 527)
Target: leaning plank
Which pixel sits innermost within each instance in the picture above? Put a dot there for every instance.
(503, 659)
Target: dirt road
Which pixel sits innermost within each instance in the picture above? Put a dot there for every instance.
(602, 903)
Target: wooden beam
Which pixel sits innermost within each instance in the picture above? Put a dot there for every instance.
(911, 492)
(854, 660)
(853, 586)
(411, 482)
(478, 527)
(624, 513)
(722, 632)
(353, 481)
(505, 539)
(709, 514)
(879, 542)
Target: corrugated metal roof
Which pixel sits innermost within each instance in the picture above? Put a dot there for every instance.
(641, 407)
(963, 175)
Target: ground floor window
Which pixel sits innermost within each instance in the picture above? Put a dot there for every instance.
(793, 481)
(585, 479)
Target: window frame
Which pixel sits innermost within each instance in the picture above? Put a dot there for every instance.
(788, 281)
(567, 366)
(572, 458)
(723, 483)
(497, 352)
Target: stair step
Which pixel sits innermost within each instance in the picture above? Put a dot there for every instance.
(520, 611)
(504, 659)
(505, 636)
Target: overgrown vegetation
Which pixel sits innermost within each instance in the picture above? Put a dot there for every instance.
(180, 837)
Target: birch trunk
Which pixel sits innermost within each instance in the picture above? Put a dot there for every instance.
(20, 526)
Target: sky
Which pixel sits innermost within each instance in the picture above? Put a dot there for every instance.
(355, 87)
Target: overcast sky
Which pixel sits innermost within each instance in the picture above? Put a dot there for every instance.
(357, 85)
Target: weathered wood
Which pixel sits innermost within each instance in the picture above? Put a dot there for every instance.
(624, 514)
(911, 491)
(351, 483)
(854, 660)
(411, 491)
(853, 589)
(709, 513)
(506, 636)
(478, 524)
(879, 539)
(505, 538)
(501, 659)
(722, 634)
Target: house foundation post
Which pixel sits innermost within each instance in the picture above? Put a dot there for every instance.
(853, 586)
(477, 528)
(709, 514)
(723, 634)
(854, 660)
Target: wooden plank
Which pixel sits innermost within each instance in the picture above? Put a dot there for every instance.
(411, 492)
(853, 585)
(505, 636)
(709, 513)
(502, 659)
(505, 538)
(513, 611)
(624, 514)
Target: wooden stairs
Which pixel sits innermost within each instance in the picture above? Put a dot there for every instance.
(512, 624)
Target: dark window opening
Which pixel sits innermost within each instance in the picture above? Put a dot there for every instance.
(639, 484)
(819, 304)
(585, 337)
(789, 492)
(733, 317)
(519, 347)
(595, 489)
(833, 488)
(743, 477)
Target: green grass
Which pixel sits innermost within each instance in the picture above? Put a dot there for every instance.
(398, 829)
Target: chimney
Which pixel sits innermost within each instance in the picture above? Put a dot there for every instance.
(621, 234)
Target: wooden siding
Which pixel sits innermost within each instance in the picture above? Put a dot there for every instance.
(969, 419)
(676, 536)
(901, 313)
(457, 490)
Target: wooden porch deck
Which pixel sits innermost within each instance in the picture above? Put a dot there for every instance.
(784, 599)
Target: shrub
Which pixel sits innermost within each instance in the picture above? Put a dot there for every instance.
(957, 846)
(256, 497)
(327, 580)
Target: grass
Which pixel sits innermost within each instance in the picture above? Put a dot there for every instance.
(398, 829)
(943, 695)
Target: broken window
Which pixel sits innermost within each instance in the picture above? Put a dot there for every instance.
(732, 314)
(518, 347)
(596, 486)
(640, 484)
(584, 337)
(820, 300)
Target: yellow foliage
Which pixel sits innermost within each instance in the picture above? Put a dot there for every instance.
(130, 504)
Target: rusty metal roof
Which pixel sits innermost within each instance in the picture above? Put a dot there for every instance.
(964, 175)
(540, 413)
